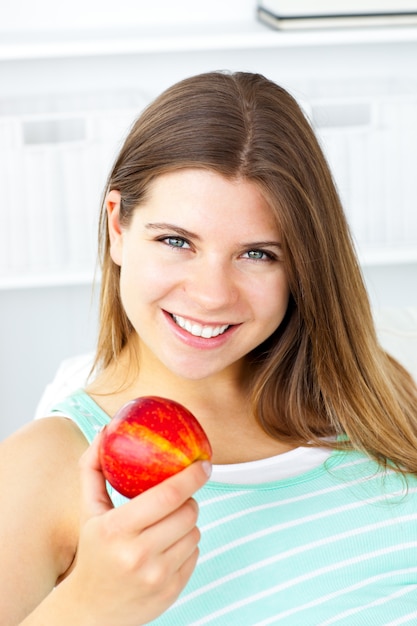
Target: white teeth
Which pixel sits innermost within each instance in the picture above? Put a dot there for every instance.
(197, 329)
(207, 333)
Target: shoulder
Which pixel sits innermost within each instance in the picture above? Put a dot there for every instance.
(43, 443)
(39, 511)
(39, 478)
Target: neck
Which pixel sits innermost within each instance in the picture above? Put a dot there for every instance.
(220, 403)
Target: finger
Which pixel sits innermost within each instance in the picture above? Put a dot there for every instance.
(94, 497)
(171, 571)
(178, 553)
(160, 501)
(163, 535)
(187, 568)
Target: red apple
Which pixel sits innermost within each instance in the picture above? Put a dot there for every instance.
(148, 440)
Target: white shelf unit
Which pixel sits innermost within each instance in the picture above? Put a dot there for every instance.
(55, 150)
(211, 36)
(56, 153)
(49, 77)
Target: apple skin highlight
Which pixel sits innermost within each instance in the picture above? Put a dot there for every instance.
(148, 440)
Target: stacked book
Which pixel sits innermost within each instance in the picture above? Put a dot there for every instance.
(305, 14)
(55, 153)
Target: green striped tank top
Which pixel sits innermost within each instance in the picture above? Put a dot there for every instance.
(333, 545)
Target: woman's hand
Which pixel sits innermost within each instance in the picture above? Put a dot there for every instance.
(133, 561)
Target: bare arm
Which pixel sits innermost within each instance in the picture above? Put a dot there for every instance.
(39, 515)
(132, 562)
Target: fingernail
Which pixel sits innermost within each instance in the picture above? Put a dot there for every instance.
(207, 467)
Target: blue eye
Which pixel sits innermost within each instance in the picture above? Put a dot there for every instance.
(256, 254)
(176, 242)
(259, 255)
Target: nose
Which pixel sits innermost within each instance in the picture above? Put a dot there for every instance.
(211, 285)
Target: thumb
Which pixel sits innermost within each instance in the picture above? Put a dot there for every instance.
(94, 497)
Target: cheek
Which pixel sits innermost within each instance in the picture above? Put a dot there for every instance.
(272, 299)
(143, 281)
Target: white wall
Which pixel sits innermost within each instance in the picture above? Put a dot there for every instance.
(392, 285)
(96, 14)
(39, 326)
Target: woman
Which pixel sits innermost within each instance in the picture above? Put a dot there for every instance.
(230, 284)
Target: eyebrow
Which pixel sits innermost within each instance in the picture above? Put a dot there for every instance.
(187, 234)
(263, 244)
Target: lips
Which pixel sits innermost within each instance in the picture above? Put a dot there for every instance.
(199, 330)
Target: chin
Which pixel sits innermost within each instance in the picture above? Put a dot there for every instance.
(194, 374)
(203, 370)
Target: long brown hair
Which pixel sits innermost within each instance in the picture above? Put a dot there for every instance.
(323, 372)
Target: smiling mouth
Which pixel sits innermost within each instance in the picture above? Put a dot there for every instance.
(199, 330)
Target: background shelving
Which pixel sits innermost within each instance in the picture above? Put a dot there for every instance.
(208, 36)
(67, 96)
(56, 152)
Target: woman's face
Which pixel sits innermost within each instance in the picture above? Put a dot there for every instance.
(203, 280)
